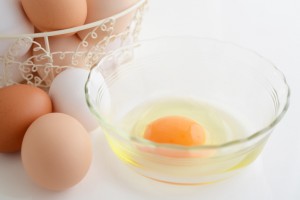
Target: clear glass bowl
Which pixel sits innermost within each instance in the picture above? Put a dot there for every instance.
(230, 83)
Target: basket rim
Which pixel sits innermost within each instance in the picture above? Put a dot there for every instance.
(77, 28)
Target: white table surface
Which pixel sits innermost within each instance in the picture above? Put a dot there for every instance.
(270, 27)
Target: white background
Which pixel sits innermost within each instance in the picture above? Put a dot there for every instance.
(270, 27)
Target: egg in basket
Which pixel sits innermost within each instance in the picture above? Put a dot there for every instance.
(40, 39)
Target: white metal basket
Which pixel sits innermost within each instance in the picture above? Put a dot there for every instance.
(85, 55)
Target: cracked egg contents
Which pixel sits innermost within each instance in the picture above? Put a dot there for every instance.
(181, 124)
(171, 138)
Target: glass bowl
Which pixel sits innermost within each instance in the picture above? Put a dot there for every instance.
(235, 94)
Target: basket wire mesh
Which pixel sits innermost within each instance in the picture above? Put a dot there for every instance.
(38, 67)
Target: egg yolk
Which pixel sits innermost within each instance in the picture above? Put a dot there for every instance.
(175, 130)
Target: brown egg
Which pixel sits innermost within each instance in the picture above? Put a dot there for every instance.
(101, 9)
(51, 15)
(20, 105)
(56, 151)
(62, 55)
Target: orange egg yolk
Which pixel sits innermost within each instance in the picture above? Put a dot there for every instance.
(175, 130)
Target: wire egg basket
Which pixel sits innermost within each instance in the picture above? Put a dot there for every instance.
(42, 62)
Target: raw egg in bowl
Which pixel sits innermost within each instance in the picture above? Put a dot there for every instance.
(187, 110)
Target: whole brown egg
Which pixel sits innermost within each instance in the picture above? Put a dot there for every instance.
(56, 151)
(51, 15)
(20, 105)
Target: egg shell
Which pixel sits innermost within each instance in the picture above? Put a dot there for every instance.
(68, 96)
(56, 151)
(20, 105)
(101, 9)
(62, 55)
(51, 15)
(15, 23)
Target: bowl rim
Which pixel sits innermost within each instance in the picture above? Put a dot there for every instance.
(77, 28)
(142, 141)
